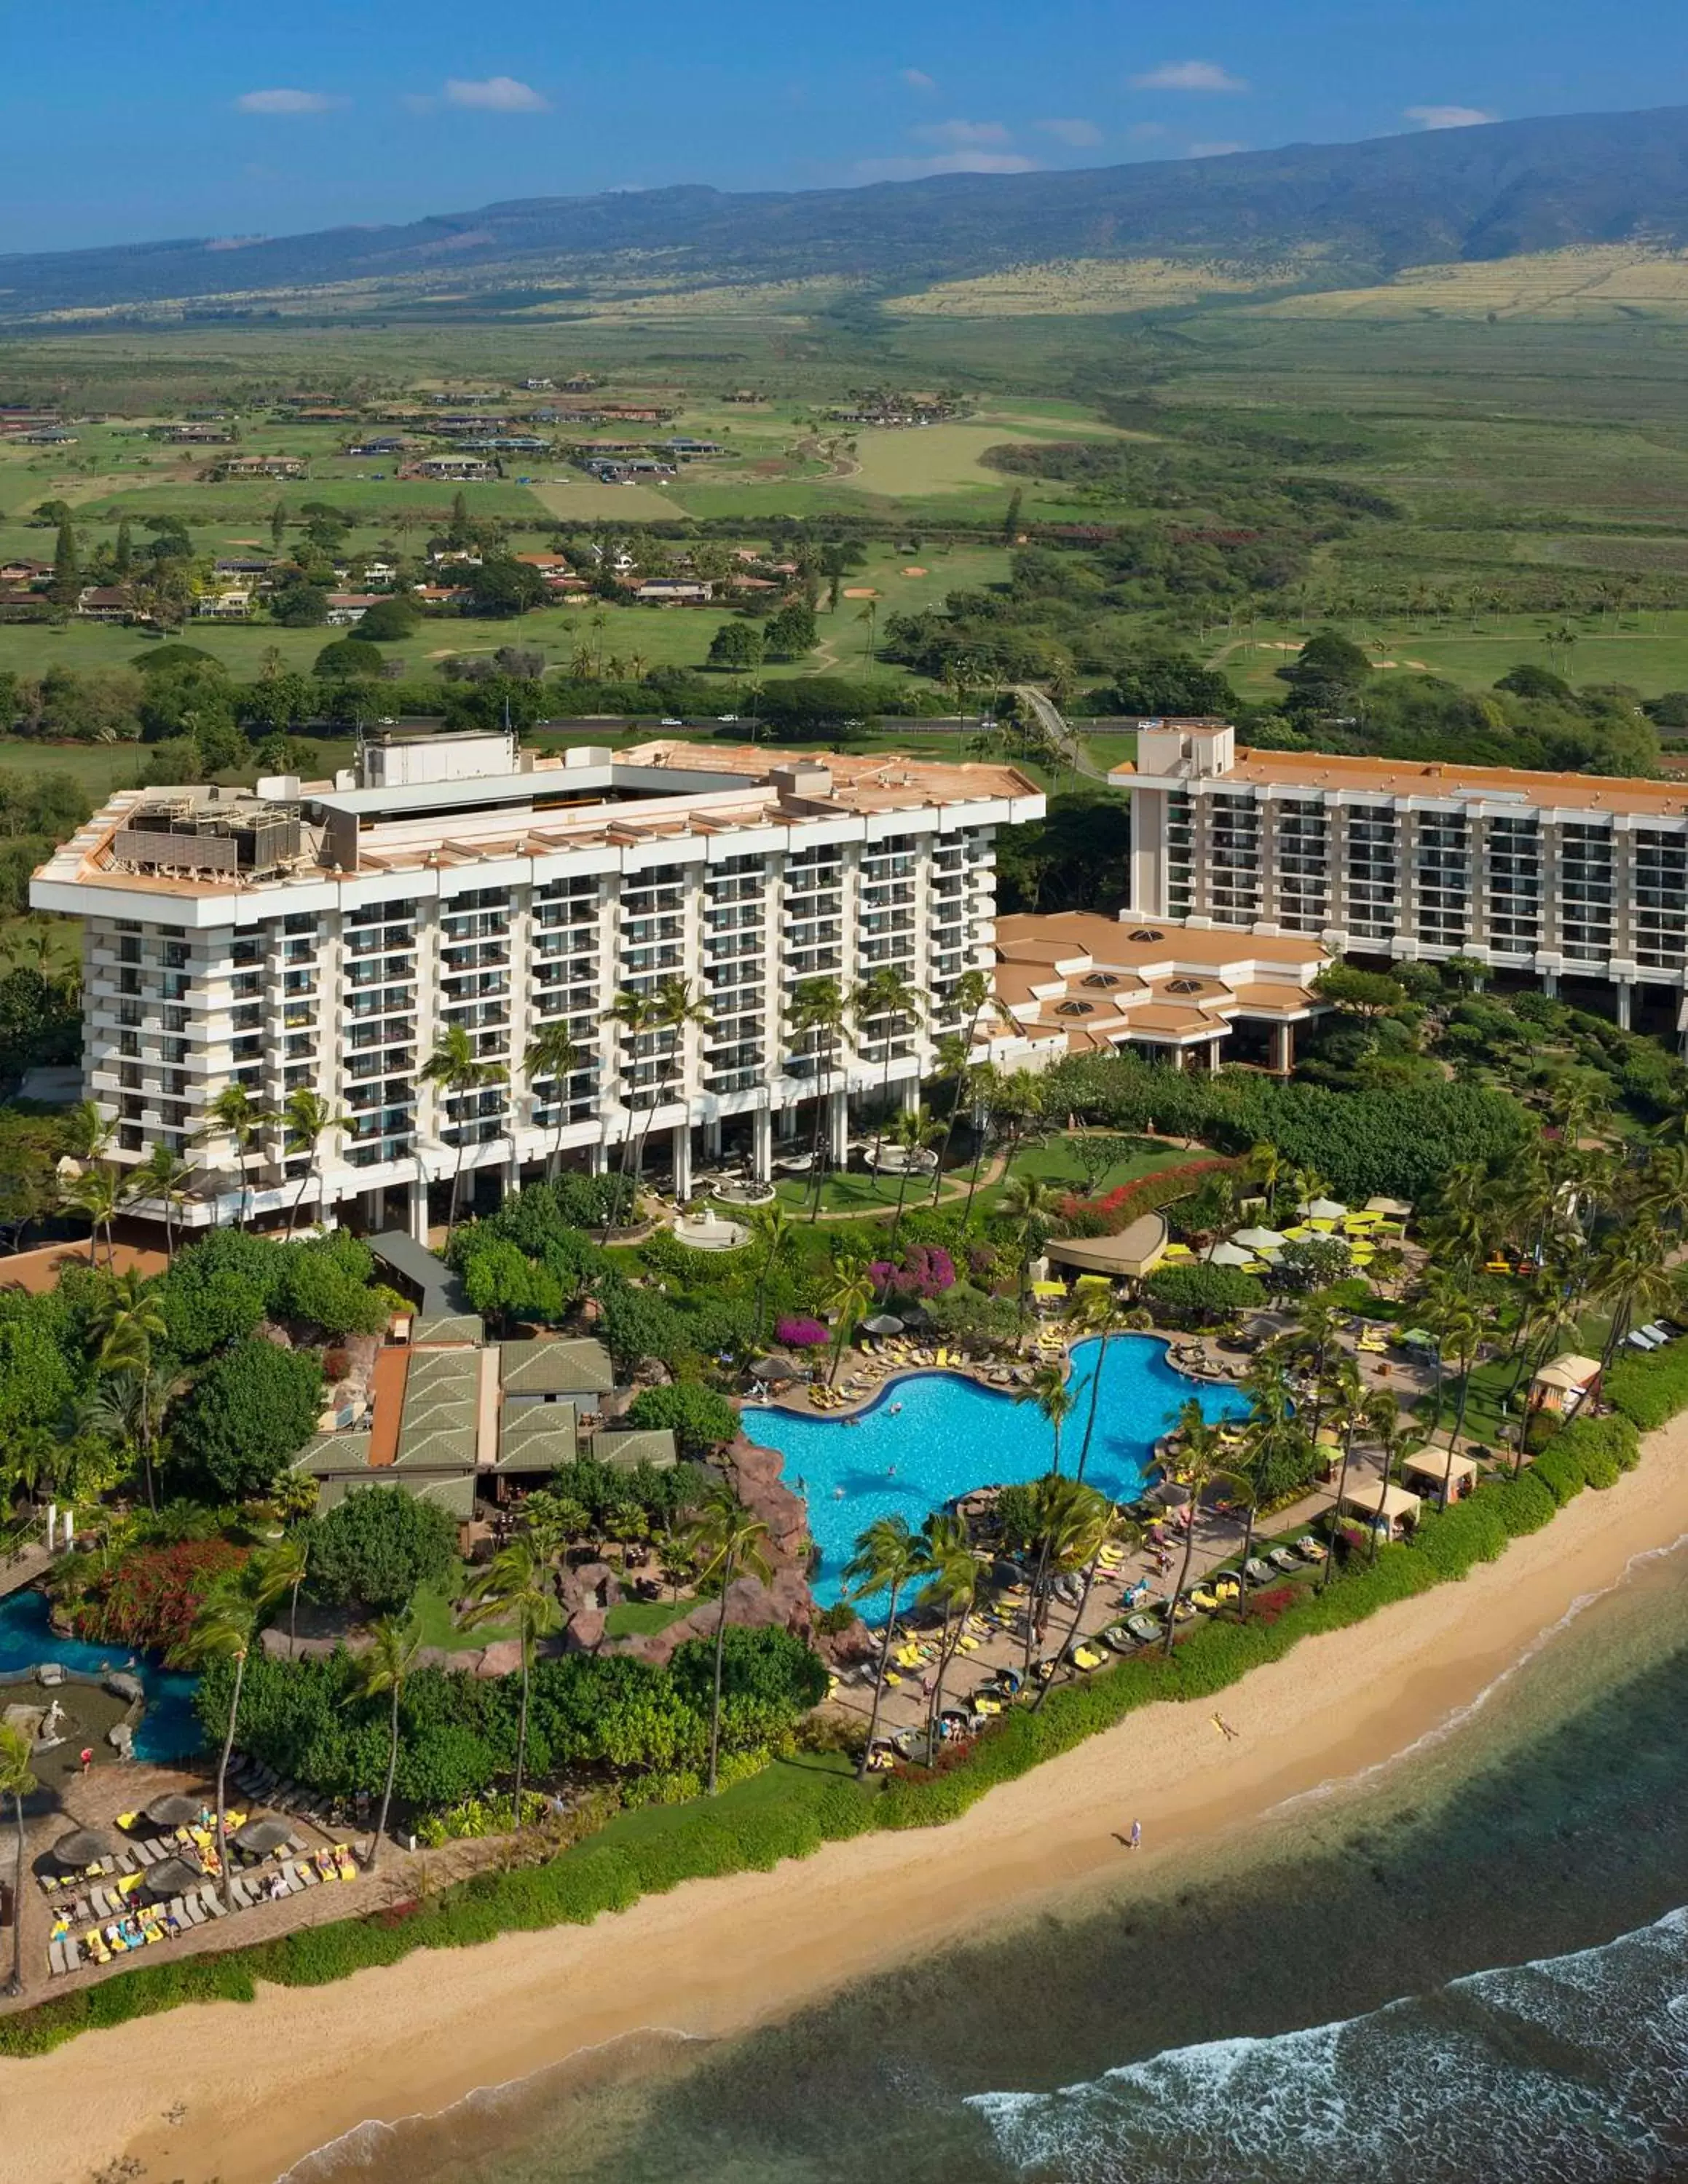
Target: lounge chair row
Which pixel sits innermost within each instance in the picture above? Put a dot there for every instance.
(131, 1926)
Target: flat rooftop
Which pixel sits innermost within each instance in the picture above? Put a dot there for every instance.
(1436, 779)
(653, 793)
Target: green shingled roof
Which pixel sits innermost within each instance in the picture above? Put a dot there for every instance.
(625, 1446)
(328, 1453)
(438, 1427)
(455, 1327)
(578, 1368)
(537, 1437)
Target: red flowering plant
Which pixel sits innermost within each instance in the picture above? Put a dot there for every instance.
(153, 1595)
(926, 1270)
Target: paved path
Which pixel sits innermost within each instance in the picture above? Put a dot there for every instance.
(1069, 745)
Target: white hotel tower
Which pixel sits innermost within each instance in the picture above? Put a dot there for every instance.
(328, 934)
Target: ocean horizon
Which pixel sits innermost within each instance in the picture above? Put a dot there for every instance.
(1482, 1942)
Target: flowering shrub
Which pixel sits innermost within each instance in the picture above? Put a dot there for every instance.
(1107, 1217)
(153, 1595)
(926, 1270)
(800, 1335)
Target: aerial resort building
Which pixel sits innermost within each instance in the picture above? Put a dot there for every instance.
(1561, 878)
(329, 935)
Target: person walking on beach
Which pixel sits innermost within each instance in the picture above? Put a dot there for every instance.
(1134, 1841)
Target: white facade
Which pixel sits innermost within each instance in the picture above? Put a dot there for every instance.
(503, 903)
(1552, 874)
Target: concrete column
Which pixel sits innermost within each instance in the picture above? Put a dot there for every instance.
(908, 1094)
(1180, 1060)
(1626, 999)
(598, 1157)
(1550, 984)
(1284, 1048)
(1213, 1056)
(417, 1193)
(712, 1140)
(762, 1145)
(682, 1143)
(837, 1127)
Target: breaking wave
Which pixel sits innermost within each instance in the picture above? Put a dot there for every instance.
(1570, 2070)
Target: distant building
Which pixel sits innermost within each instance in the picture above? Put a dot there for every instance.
(262, 466)
(462, 470)
(103, 603)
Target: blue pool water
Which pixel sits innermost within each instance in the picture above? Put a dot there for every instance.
(951, 1435)
(168, 1728)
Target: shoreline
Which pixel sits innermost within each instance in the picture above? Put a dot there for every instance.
(262, 2085)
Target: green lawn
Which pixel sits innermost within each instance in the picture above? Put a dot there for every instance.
(798, 1780)
(1054, 1163)
(644, 1618)
(1485, 1414)
(433, 1610)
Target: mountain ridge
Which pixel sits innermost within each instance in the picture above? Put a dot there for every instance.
(1493, 191)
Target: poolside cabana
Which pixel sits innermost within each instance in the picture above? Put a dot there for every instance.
(1371, 1499)
(1441, 1470)
(1137, 1250)
(1564, 1384)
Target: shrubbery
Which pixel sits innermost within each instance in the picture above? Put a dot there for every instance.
(250, 1411)
(152, 1595)
(1652, 1388)
(1202, 1293)
(377, 1546)
(698, 1418)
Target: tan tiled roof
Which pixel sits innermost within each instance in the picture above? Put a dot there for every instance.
(1436, 778)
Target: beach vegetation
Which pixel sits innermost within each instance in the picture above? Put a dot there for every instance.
(377, 1549)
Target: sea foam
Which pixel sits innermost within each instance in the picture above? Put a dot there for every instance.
(1570, 2070)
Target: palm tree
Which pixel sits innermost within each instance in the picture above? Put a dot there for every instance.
(818, 1012)
(225, 1630)
(675, 1008)
(96, 1194)
(638, 1016)
(852, 1292)
(1459, 1327)
(914, 1132)
(989, 1094)
(397, 1641)
(517, 1588)
(1093, 1521)
(306, 1119)
(1382, 1421)
(552, 1054)
(884, 993)
(1052, 1391)
(16, 1782)
(1267, 1167)
(888, 1556)
(1348, 1415)
(455, 1068)
(89, 1132)
(772, 1228)
(234, 1114)
(163, 1176)
(728, 1541)
(1096, 1314)
(1631, 1272)
(1026, 1200)
(129, 1404)
(957, 1572)
(1196, 1467)
(288, 1564)
(970, 996)
(1316, 1322)
(130, 1320)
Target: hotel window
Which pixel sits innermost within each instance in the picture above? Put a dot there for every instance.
(1661, 899)
(1234, 857)
(1301, 859)
(1373, 875)
(1585, 893)
(1514, 885)
(1180, 855)
(1443, 865)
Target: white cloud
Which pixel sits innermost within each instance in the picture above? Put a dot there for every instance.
(1076, 133)
(1448, 117)
(1212, 151)
(960, 134)
(964, 162)
(285, 102)
(918, 80)
(1188, 75)
(497, 94)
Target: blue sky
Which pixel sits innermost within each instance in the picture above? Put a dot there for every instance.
(125, 120)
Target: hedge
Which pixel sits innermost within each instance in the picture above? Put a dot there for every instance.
(1652, 1388)
(656, 1851)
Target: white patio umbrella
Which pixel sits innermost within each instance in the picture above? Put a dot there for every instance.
(1325, 1209)
(1226, 1254)
(1259, 1239)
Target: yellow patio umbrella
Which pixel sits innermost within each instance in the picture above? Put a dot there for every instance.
(1048, 1288)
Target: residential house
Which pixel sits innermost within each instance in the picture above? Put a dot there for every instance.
(234, 604)
(463, 470)
(103, 603)
(347, 607)
(674, 592)
(262, 466)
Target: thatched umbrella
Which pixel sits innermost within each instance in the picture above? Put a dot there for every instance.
(773, 1368)
(82, 1847)
(257, 1838)
(171, 1876)
(883, 1323)
(175, 1811)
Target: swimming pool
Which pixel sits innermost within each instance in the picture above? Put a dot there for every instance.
(951, 1434)
(169, 1729)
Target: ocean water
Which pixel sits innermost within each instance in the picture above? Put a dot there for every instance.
(1471, 1964)
(930, 1436)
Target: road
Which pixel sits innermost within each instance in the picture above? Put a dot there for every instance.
(1070, 746)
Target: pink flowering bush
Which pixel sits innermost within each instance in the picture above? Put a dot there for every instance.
(800, 1335)
(927, 1270)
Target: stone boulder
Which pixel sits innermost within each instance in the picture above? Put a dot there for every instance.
(784, 1603)
(585, 1633)
(123, 1686)
(756, 1476)
(592, 1585)
(121, 1739)
(49, 1674)
(503, 1657)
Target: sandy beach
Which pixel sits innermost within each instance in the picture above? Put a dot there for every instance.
(239, 2093)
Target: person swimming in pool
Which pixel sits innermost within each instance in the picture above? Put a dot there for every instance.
(895, 1411)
